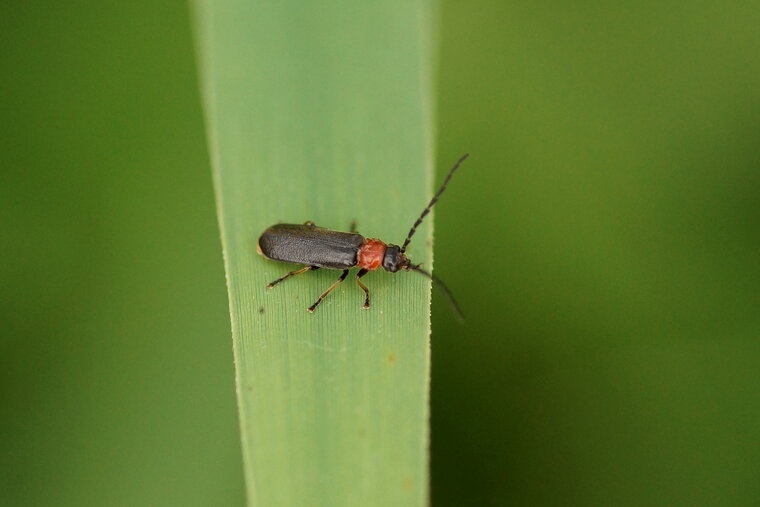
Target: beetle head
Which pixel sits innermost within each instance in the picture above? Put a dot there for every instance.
(394, 259)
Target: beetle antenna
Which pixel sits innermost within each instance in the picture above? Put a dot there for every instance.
(439, 282)
(432, 202)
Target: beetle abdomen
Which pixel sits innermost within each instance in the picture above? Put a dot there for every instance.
(310, 245)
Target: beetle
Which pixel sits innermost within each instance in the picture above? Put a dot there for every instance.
(316, 247)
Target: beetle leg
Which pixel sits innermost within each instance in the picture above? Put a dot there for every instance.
(353, 226)
(296, 272)
(324, 295)
(360, 274)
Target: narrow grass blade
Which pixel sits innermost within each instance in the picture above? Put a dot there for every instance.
(321, 111)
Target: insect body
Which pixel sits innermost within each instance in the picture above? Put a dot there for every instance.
(317, 247)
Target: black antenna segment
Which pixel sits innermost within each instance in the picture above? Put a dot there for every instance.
(430, 205)
(437, 281)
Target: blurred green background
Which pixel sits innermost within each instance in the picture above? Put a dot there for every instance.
(604, 241)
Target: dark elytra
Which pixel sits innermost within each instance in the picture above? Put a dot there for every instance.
(311, 245)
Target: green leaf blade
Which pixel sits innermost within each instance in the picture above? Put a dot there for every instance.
(321, 111)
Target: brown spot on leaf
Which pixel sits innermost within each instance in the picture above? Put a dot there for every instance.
(391, 358)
